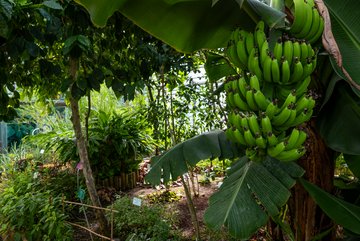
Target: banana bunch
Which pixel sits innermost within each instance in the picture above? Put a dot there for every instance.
(307, 24)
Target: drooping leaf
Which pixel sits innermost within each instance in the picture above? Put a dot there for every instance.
(185, 25)
(250, 194)
(217, 66)
(353, 163)
(175, 161)
(272, 17)
(339, 120)
(345, 23)
(343, 213)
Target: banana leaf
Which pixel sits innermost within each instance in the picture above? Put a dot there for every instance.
(353, 163)
(175, 161)
(250, 194)
(343, 213)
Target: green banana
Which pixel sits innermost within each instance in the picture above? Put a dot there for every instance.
(250, 100)
(272, 139)
(307, 68)
(257, 69)
(280, 118)
(230, 135)
(231, 118)
(239, 103)
(266, 126)
(292, 139)
(230, 100)
(261, 101)
(296, 49)
(274, 151)
(251, 60)
(305, 102)
(304, 51)
(249, 138)
(315, 24)
(260, 26)
(290, 99)
(249, 42)
(285, 71)
(272, 109)
(291, 155)
(241, 51)
(239, 137)
(307, 23)
(319, 32)
(243, 85)
(288, 50)
(301, 86)
(267, 69)
(275, 71)
(260, 38)
(253, 124)
(264, 53)
(297, 72)
(260, 141)
(254, 82)
(244, 123)
(278, 49)
(302, 117)
(237, 121)
(234, 86)
(300, 16)
(233, 56)
(289, 122)
(300, 141)
(227, 86)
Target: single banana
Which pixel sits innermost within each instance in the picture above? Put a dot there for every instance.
(314, 25)
(249, 138)
(272, 109)
(280, 118)
(239, 103)
(292, 139)
(264, 53)
(308, 68)
(234, 86)
(297, 72)
(288, 50)
(231, 118)
(230, 135)
(291, 155)
(301, 86)
(278, 49)
(233, 56)
(266, 126)
(289, 122)
(304, 51)
(260, 26)
(274, 151)
(305, 102)
(261, 101)
(253, 124)
(267, 69)
(260, 141)
(260, 38)
(251, 60)
(285, 71)
(244, 123)
(300, 16)
(250, 100)
(319, 32)
(239, 137)
(230, 100)
(243, 85)
(249, 42)
(237, 121)
(241, 51)
(254, 82)
(302, 117)
(272, 140)
(296, 49)
(275, 71)
(290, 99)
(257, 69)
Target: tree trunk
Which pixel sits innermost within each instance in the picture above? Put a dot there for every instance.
(83, 154)
(306, 218)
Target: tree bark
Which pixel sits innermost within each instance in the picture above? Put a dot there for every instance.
(306, 218)
(83, 154)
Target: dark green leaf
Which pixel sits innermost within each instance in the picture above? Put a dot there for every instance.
(250, 194)
(272, 17)
(185, 25)
(353, 163)
(343, 213)
(339, 120)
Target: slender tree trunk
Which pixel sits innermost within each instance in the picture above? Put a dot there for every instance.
(83, 153)
(306, 218)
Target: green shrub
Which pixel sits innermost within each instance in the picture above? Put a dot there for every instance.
(27, 212)
(140, 223)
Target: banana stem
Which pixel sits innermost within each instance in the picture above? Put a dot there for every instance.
(248, 9)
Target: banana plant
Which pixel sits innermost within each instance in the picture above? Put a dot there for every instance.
(190, 25)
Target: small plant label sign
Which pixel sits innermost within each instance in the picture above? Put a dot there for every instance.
(136, 201)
